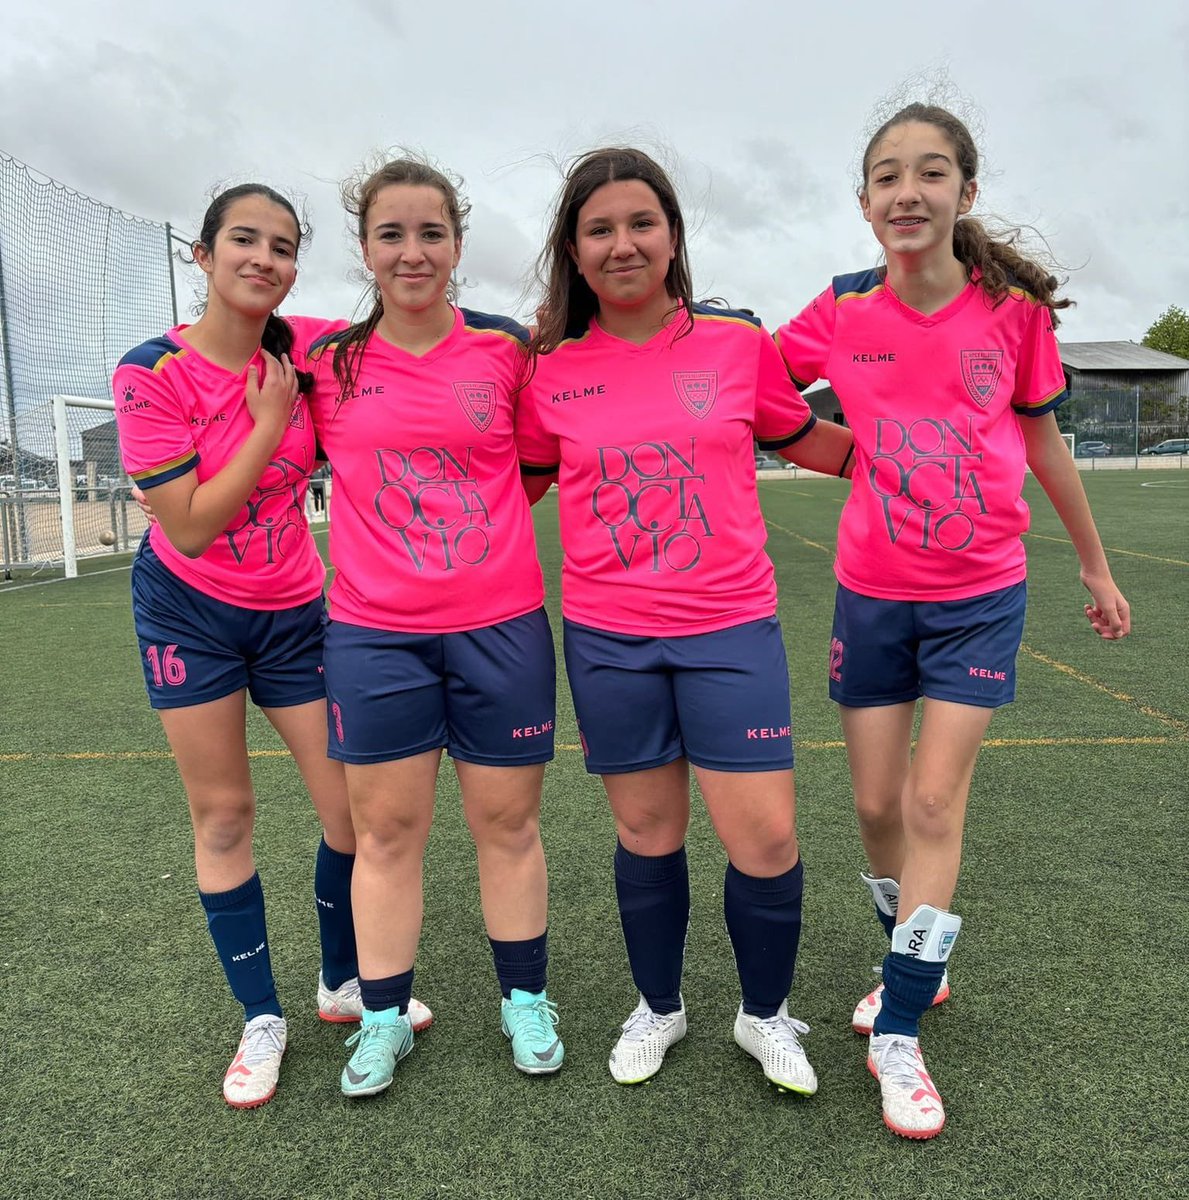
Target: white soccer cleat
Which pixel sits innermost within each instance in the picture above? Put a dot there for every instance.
(252, 1077)
(341, 1005)
(419, 1015)
(911, 1106)
(863, 1019)
(776, 1043)
(345, 1004)
(646, 1037)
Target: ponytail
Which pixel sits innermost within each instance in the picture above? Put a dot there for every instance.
(349, 348)
(277, 339)
(1002, 266)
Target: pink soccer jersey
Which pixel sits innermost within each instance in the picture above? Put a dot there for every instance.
(660, 523)
(177, 412)
(430, 528)
(935, 510)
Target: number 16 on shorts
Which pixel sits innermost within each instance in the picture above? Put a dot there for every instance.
(168, 669)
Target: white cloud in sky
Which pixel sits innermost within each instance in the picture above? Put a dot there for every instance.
(1085, 112)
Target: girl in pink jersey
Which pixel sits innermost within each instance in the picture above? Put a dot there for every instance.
(947, 368)
(645, 407)
(438, 635)
(227, 599)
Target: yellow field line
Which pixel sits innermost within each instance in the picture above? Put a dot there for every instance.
(988, 743)
(1122, 697)
(1176, 562)
(804, 540)
(784, 491)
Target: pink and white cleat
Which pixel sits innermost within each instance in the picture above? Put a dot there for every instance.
(911, 1106)
(251, 1080)
(345, 1004)
(863, 1019)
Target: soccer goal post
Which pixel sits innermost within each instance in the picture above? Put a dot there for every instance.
(93, 493)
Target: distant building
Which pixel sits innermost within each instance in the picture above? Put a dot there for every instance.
(1095, 366)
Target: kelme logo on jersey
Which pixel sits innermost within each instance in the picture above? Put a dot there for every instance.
(980, 373)
(478, 402)
(697, 390)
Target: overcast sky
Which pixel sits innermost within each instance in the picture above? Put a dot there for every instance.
(762, 107)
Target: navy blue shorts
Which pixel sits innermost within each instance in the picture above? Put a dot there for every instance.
(488, 695)
(195, 649)
(894, 651)
(720, 700)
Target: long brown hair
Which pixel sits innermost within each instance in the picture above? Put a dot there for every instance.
(993, 251)
(358, 195)
(568, 303)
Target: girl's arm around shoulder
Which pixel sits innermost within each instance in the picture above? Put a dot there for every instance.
(1052, 464)
(827, 448)
(536, 485)
(193, 514)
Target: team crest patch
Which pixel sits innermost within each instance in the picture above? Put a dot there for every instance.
(980, 372)
(297, 418)
(478, 402)
(697, 390)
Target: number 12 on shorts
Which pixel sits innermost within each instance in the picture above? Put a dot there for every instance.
(167, 667)
(836, 660)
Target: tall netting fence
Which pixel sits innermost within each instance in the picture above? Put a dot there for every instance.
(1129, 417)
(80, 283)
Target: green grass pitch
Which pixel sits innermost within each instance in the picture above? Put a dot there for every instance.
(1062, 1055)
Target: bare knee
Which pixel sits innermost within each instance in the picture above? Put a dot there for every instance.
(391, 838)
(767, 850)
(650, 832)
(878, 811)
(930, 814)
(512, 831)
(222, 828)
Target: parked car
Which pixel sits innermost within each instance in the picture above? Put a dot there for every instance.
(1168, 446)
(1092, 450)
(768, 462)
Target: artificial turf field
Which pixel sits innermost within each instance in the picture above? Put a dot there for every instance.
(1062, 1056)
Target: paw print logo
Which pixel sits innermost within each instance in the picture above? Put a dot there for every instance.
(129, 394)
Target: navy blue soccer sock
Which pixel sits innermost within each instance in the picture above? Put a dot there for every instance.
(394, 991)
(236, 922)
(887, 920)
(522, 964)
(764, 923)
(909, 987)
(653, 895)
(336, 927)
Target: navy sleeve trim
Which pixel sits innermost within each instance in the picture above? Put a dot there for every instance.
(149, 354)
(792, 439)
(494, 323)
(857, 282)
(715, 310)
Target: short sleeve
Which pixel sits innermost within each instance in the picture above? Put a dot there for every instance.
(538, 450)
(782, 417)
(805, 341)
(1040, 378)
(306, 331)
(156, 444)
